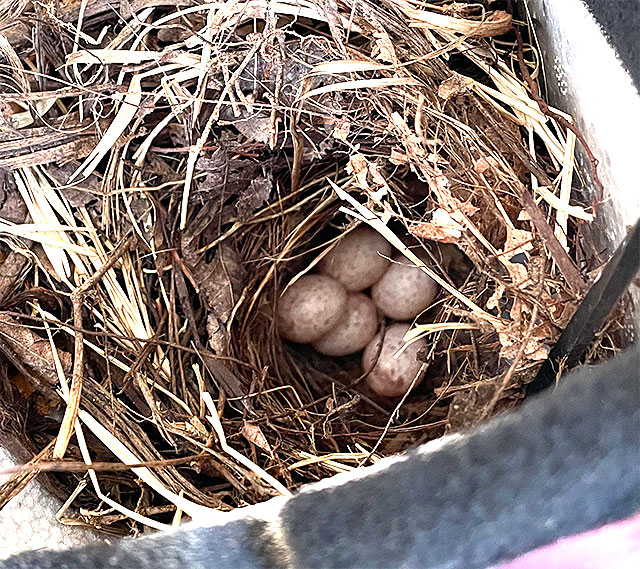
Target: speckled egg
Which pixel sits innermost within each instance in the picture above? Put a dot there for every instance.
(354, 330)
(404, 290)
(358, 260)
(310, 308)
(389, 376)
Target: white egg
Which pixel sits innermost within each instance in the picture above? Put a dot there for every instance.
(389, 376)
(358, 260)
(310, 308)
(404, 290)
(353, 331)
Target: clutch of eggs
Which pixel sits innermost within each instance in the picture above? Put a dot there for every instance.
(328, 311)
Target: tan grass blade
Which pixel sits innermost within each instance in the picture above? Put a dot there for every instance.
(217, 427)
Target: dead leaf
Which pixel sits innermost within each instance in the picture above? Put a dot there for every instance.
(228, 175)
(442, 228)
(255, 196)
(23, 384)
(524, 216)
(192, 428)
(12, 206)
(535, 349)
(221, 282)
(257, 127)
(512, 336)
(484, 163)
(358, 167)
(494, 301)
(398, 157)
(454, 85)
(518, 273)
(515, 256)
(383, 49)
(362, 169)
(341, 129)
(255, 436)
(518, 241)
(33, 351)
(89, 193)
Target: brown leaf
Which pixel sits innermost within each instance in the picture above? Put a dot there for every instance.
(78, 196)
(12, 206)
(484, 163)
(227, 175)
(512, 336)
(454, 85)
(221, 282)
(494, 300)
(383, 49)
(33, 351)
(256, 126)
(442, 227)
(255, 195)
(363, 171)
(358, 167)
(398, 157)
(255, 436)
(341, 129)
(518, 241)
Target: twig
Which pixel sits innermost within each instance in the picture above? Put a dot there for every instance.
(75, 466)
(77, 299)
(544, 107)
(217, 427)
(566, 266)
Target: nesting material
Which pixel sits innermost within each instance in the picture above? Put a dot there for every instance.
(167, 171)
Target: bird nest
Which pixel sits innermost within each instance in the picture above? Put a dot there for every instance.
(168, 169)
